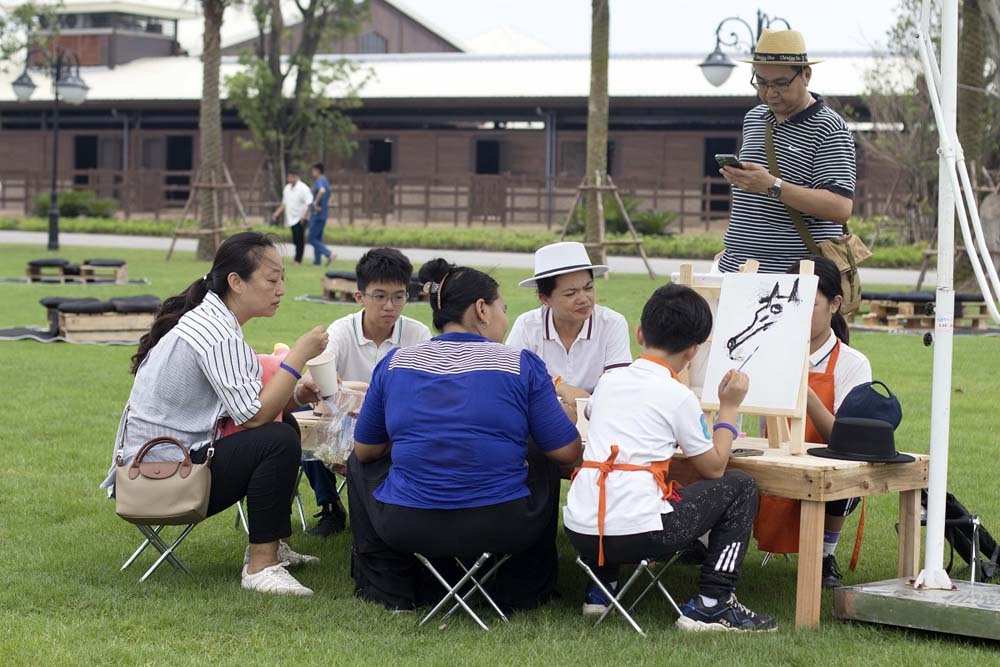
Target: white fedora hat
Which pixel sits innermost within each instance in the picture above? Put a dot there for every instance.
(558, 258)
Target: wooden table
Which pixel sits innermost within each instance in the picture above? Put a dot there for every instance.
(815, 480)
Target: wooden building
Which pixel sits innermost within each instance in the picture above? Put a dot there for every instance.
(443, 135)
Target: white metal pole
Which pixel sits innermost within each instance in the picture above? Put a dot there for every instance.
(933, 574)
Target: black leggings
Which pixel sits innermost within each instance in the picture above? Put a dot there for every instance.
(262, 465)
(724, 506)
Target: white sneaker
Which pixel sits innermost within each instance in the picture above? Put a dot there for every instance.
(274, 579)
(294, 558)
(286, 554)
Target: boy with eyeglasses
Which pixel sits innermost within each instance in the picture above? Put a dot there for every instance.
(359, 341)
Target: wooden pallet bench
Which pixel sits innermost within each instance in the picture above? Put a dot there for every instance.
(339, 285)
(104, 327)
(895, 315)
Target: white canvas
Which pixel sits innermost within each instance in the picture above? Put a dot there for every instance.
(763, 323)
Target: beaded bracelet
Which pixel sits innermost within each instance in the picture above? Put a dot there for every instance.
(729, 427)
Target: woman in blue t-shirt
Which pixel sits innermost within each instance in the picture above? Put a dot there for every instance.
(442, 464)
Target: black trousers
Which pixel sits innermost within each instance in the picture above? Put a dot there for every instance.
(724, 506)
(299, 239)
(260, 464)
(386, 536)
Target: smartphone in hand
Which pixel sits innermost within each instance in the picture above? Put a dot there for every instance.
(728, 160)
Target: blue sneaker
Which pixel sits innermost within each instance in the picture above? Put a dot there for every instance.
(595, 602)
(728, 615)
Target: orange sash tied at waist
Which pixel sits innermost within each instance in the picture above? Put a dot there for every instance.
(658, 469)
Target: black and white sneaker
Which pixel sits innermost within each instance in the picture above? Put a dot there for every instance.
(729, 615)
(831, 572)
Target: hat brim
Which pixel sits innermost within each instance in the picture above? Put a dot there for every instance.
(828, 453)
(771, 62)
(598, 270)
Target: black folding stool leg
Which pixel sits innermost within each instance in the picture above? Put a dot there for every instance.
(477, 586)
(453, 591)
(615, 603)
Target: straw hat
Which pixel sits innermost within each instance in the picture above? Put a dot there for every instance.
(558, 258)
(780, 47)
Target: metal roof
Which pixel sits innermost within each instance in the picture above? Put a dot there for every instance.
(447, 76)
(170, 9)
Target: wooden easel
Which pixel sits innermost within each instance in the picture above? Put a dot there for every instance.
(602, 243)
(785, 428)
(218, 197)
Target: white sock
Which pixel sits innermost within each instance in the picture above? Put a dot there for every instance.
(708, 602)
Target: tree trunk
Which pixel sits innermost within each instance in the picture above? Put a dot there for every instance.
(210, 200)
(597, 123)
(971, 115)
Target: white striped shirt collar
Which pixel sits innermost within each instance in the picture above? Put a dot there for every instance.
(359, 333)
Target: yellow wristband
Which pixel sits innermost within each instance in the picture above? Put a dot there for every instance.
(557, 381)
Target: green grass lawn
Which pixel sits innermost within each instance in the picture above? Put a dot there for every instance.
(63, 600)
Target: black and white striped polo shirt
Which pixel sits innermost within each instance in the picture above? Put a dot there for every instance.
(814, 149)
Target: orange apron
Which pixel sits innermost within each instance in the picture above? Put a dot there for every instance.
(777, 524)
(658, 469)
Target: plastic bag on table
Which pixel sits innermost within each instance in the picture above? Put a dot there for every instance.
(332, 439)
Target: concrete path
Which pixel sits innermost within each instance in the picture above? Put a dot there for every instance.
(515, 260)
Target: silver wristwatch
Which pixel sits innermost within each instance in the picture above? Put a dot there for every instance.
(774, 192)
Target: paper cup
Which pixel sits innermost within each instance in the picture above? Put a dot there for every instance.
(582, 423)
(324, 371)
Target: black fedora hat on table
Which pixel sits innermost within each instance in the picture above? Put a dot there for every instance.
(860, 439)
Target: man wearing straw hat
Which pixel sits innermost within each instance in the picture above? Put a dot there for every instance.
(811, 166)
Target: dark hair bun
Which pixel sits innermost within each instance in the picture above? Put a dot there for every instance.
(434, 270)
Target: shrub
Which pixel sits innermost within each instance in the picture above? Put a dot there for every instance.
(653, 222)
(614, 223)
(76, 203)
(103, 208)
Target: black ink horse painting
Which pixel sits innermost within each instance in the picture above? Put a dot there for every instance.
(772, 308)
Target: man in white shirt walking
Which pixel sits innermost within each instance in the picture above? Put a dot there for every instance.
(295, 201)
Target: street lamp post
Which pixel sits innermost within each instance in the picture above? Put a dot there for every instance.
(717, 66)
(63, 67)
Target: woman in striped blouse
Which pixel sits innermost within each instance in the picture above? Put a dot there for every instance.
(195, 367)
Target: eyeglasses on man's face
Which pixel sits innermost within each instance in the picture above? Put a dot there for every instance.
(779, 85)
(379, 298)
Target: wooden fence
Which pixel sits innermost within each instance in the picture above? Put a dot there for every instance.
(504, 200)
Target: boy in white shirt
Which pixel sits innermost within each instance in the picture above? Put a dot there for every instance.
(639, 416)
(359, 341)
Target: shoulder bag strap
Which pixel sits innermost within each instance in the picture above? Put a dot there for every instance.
(800, 223)
(120, 453)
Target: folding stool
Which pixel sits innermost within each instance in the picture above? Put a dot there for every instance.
(645, 566)
(468, 578)
(153, 537)
(241, 517)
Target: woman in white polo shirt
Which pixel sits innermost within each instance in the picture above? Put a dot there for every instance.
(194, 367)
(577, 339)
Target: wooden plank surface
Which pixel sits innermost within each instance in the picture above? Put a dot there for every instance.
(808, 588)
(806, 477)
(105, 321)
(908, 564)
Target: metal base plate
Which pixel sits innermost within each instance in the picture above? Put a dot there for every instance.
(970, 609)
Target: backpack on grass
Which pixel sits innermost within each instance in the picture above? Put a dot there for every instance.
(960, 530)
